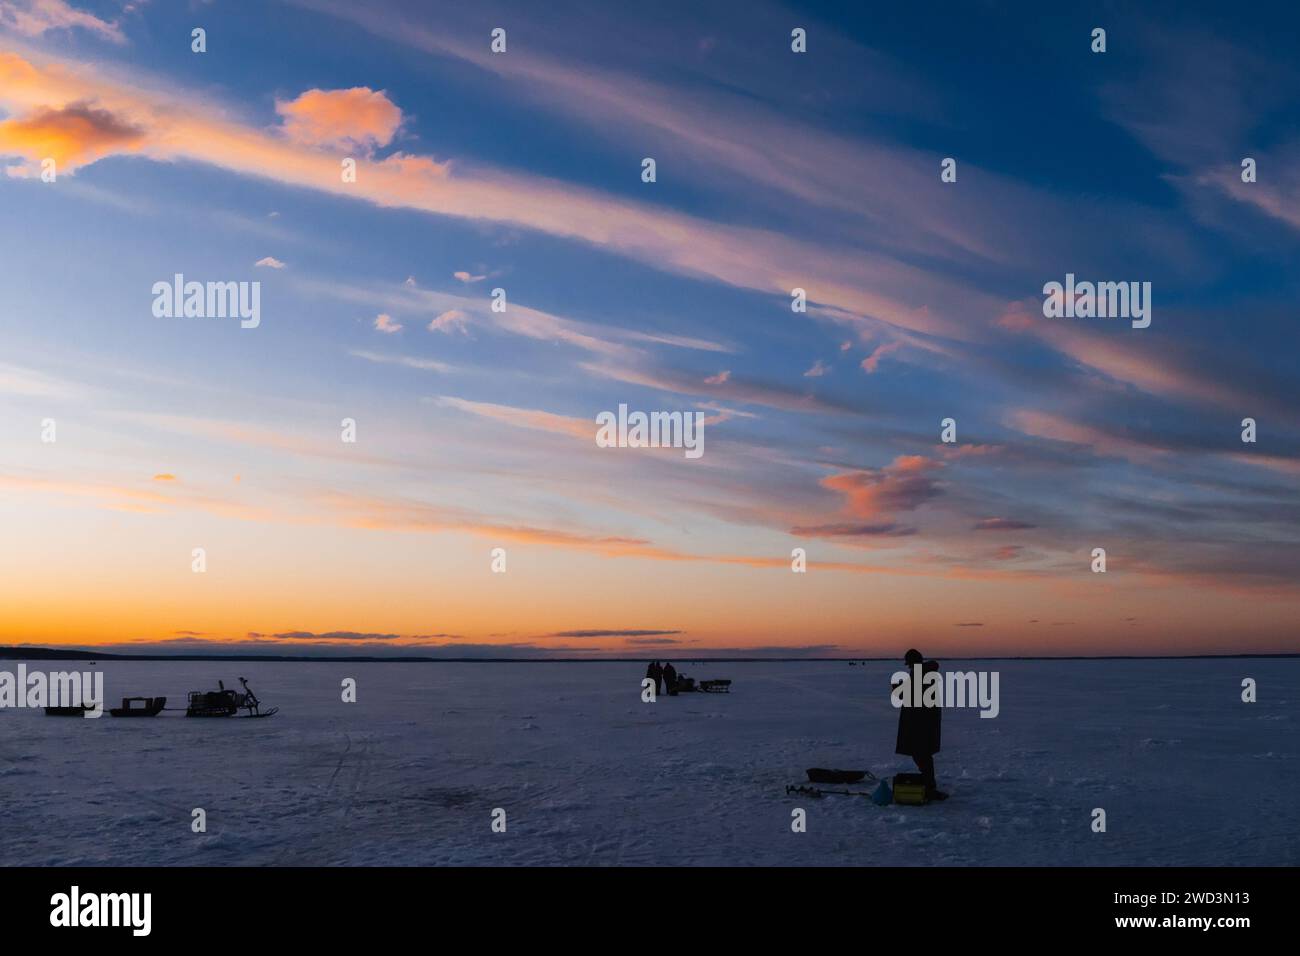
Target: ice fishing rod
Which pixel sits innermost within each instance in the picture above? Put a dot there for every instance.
(801, 790)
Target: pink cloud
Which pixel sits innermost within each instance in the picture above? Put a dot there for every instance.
(1154, 366)
(872, 361)
(530, 418)
(453, 320)
(358, 119)
(903, 485)
(34, 18)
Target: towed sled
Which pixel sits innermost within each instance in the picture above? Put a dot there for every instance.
(226, 703)
(149, 707)
(77, 711)
(819, 775)
(689, 685)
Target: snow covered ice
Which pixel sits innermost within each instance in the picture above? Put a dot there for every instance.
(588, 774)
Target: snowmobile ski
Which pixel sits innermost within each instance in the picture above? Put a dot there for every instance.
(270, 713)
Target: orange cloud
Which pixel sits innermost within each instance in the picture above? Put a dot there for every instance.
(123, 498)
(73, 135)
(902, 485)
(359, 119)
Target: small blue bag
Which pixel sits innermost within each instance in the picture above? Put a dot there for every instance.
(882, 796)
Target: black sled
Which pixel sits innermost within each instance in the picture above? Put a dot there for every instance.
(820, 775)
(149, 707)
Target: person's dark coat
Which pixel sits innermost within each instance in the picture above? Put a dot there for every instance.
(670, 678)
(918, 727)
(656, 674)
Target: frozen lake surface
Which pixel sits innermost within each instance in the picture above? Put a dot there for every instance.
(588, 774)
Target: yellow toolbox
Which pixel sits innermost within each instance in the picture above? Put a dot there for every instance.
(909, 788)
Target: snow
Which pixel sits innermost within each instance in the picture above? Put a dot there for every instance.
(588, 774)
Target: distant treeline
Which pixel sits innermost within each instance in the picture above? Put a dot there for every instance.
(89, 654)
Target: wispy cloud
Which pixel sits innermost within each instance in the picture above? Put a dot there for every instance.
(409, 361)
(728, 388)
(615, 632)
(180, 127)
(579, 428)
(36, 17)
(453, 320)
(1002, 524)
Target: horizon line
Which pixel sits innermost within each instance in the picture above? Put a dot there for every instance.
(49, 653)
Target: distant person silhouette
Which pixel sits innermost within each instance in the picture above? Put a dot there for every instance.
(656, 674)
(918, 729)
(670, 679)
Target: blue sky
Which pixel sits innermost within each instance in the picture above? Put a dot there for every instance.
(521, 171)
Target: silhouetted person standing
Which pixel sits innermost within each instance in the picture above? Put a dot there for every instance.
(918, 727)
(656, 674)
(670, 679)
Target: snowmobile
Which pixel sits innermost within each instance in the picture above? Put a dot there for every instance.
(226, 703)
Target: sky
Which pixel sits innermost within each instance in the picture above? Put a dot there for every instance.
(475, 429)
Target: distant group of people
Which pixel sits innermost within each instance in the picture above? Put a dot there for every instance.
(665, 677)
(918, 727)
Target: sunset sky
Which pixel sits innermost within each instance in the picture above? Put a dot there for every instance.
(476, 429)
